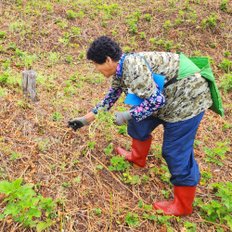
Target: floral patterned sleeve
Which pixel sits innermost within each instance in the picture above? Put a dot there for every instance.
(109, 100)
(148, 106)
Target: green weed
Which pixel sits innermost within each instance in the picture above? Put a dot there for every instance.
(71, 14)
(56, 116)
(53, 58)
(190, 226)
(4, 78)
(109, 10)
(2, 34)
(210, 22)
(105, 123)
(205, 177)
(217, 154)
(97, 212)
(131, 179)
(165, 193)
(224, 5)
(3, 92)
(118, 163)
(226, 125)
(227, 53)
(220, 209)
(91, 145)
(132, 22)
(167, 24)
(77, 180)
(24, 104)
(142, 35)
(62, 23)
(69, 59)
(122, 129)
(66, 184)
(18, 26)
(167, 45)
(147, 17)
(226, 65)
(15, 156)
(109, 149)
(132, 219)
(76, 31)
(226, 83)
(25, 206)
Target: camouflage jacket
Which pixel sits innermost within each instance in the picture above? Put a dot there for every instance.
(184, 98)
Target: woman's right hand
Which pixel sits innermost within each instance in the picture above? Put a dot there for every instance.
(79, 122)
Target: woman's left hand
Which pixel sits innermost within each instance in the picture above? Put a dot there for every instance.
(122, 117)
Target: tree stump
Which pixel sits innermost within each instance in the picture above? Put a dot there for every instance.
(29, 84)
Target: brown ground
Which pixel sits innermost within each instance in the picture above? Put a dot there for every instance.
(63, 164)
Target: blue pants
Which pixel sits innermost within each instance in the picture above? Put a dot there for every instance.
(177, 147)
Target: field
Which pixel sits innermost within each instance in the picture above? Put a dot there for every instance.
(54, 179)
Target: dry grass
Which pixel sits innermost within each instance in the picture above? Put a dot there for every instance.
(63, 164)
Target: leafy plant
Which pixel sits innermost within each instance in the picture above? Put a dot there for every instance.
(2, 34)
(226, 65)
(3, 92)
(4, 78)
(53, 57)
(109, 149)
(147, 17)
(18, 26)
(224, 5)
(57, 116)
(105, 123)
(132, 22)
(226, 82)
(69, 59)
(109, 10)
(25, 206)
(220, 209)
(91, 145)
(122, 129)
(142, 35)
(164, 220)
(217, 154)
(66, 184)
(167, 45)
(97, 211)
(165, 193)
(205, 177)
(62, 23)
(167, 24)
(227, 53)
(132, 219)
(71, 14)
(118, 163)
(131, 179)
(76, 31)
(190, 227)
(15, 156)
(210, 21)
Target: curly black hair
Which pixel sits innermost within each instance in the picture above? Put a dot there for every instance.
(103, 47)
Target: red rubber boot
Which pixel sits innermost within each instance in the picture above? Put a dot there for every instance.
(139, 151)
(182, 203)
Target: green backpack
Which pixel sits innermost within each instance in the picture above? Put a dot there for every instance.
(192, 65)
